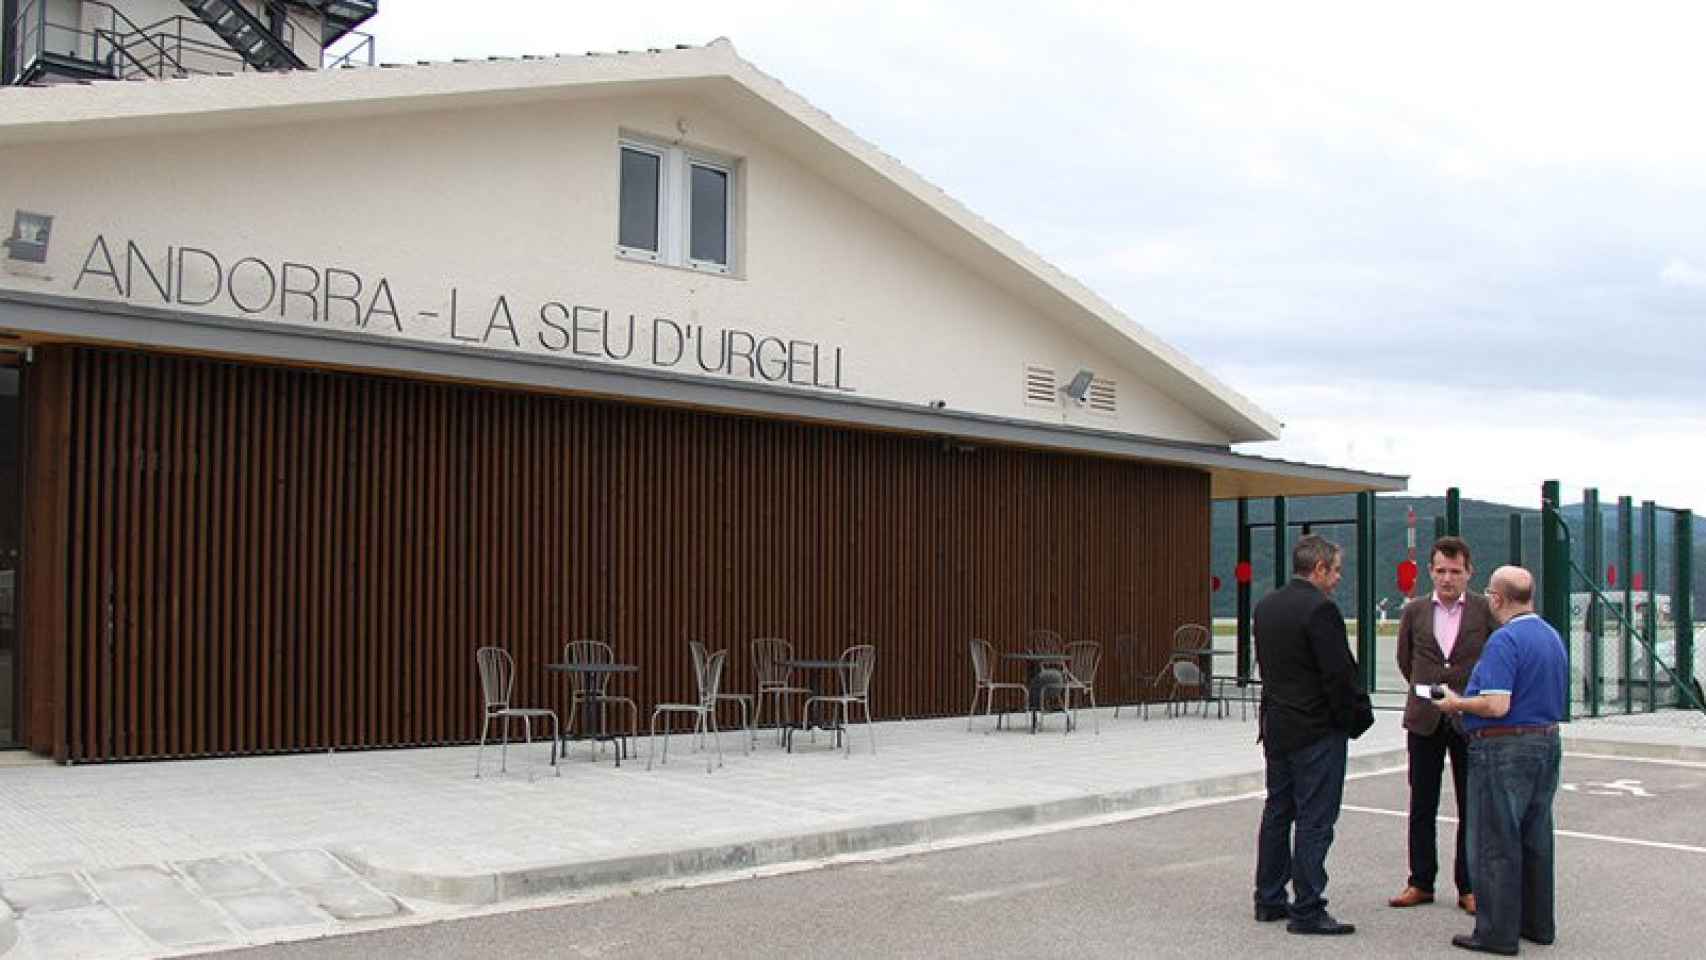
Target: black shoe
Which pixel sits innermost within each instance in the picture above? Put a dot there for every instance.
(1267, 914)
(1468, 942)
(1321, 924)
(1531, 938)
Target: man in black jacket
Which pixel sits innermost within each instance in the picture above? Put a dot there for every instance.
(1312, 702)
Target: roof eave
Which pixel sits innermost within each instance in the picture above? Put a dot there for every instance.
(40, 318)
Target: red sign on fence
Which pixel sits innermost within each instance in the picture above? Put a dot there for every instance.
(1406, 576)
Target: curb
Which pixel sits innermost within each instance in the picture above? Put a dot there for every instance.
(8, 930)
(1643, 751)
(482, 889)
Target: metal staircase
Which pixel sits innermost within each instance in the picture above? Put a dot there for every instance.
(259, 46)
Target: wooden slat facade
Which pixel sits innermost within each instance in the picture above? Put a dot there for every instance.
(245, 559)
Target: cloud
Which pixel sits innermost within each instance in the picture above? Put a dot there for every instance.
(1388, 255)
(1496, 444)
(1681, 273)
(1151, 258)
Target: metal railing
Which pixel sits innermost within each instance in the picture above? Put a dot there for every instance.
(360, 53)
(173, 46)
(1626, 624)
(35, 37)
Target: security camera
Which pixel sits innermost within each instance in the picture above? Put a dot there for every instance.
(938, 404)
(1079, 389)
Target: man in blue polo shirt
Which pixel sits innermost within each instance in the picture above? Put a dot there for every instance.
(1510, 712)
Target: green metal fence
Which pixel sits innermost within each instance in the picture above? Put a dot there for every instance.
(1617, 584)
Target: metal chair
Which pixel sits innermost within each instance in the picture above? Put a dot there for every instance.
(1193, 637)
(584, 687)
(861, 662)
(1083, 657)
(774, 680)
(982, 663)
(1038, 640)
(1249, 692)
(1192, 641)
(497, 682)
(707, 678)
(1128, 664)
(1185, 673)
(700, 656)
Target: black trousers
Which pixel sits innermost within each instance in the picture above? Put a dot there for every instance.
(1427, 766)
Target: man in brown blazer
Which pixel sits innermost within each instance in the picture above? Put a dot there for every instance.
(1440, 638)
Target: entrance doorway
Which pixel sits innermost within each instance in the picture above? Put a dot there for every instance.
(11, 538)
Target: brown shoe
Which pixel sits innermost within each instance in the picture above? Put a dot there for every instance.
(1411, 897)
(1466, 903)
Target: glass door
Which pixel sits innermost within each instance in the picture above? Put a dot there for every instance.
(11, 531)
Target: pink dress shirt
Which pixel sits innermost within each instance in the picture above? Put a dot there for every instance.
(1446, 621)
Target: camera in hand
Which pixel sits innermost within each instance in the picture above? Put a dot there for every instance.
(1436, 692)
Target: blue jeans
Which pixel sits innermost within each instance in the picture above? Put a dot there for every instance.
(1305, 787)
(1511, 784)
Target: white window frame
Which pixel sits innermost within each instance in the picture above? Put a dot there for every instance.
(664, 205)
(675, 202)
(691, 160)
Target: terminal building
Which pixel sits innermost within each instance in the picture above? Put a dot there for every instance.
(312, 382)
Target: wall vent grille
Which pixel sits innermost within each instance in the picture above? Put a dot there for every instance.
(1040, 388)
(1102, 396)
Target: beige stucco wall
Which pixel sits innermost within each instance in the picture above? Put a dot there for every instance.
(520, 202)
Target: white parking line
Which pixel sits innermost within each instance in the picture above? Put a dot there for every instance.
(1016, 888)
(1693, 764)
(1629, 841)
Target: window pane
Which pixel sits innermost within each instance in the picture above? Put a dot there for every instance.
(639, 227)
(710, 216)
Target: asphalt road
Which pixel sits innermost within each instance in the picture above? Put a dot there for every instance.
(1172, 885)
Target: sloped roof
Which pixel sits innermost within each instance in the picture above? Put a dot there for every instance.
(713, 73)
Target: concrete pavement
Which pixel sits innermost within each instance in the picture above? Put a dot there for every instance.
(1172, 884)
(165, 858)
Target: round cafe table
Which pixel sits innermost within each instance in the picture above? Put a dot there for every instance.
(811, 665)
(596, 672)
(1034, 663)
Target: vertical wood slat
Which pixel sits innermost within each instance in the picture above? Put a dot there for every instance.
(265, 559)
(46, 526)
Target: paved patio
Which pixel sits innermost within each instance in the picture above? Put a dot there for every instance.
(159, 858)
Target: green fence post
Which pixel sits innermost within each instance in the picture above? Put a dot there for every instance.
(1625, 571)
(1282, 553)
(1555, 570)
(1682, 598)
(1516, 540)
(1439, 531)
(1593, 529)
(1650, 615)
(1244, 645)
(1365, 587)
(1453, 513)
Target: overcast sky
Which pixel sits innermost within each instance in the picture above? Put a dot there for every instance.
(1463, 242)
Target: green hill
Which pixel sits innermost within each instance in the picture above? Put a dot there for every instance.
(1485, 525)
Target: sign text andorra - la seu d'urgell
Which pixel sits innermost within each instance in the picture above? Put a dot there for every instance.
(189, 276)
